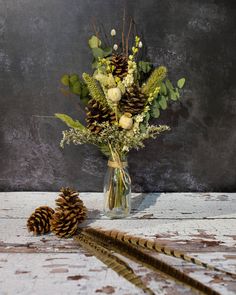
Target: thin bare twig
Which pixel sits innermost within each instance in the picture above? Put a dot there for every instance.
(123, 32)
(95, 28)
(127, 38)
(135, 29)
(103, 31)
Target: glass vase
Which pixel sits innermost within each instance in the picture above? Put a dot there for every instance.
(117, 190)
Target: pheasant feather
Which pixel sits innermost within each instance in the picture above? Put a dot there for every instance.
(112, 261)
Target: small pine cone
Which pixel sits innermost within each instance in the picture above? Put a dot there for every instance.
(98, 114)
(120, 64)
(69, 201)
(64, 224)
(39, 220)
(133, 101)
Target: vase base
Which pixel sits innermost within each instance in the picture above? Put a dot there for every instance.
(117, 213)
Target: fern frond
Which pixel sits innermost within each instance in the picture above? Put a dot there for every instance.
(156, 77)
(95, 89)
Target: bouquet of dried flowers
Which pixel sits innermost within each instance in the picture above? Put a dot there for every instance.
(121, 96)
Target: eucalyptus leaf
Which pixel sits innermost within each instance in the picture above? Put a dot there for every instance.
(173, 95)
(155, 112)
(69, 121)
(84, 91)
(145, 66)
(98, 52)
(85, 100)
(143, 128)
(73, 78)
(65, 80)
(107, 51)
(94, 64)
(181, 83)
(177, 93)
(147, 117)
(169, 85)
(94, 42)
(163, 103)
(76, 88)
(163, 89)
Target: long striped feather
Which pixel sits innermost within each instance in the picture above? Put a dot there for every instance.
(112, 261)
(142, 256)
(153, 245)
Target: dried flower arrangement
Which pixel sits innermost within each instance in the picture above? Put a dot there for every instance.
(120, 98)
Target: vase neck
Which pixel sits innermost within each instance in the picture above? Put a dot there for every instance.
(123, 158)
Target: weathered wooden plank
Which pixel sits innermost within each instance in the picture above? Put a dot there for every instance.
(58, 274)
(75, 274)
(164, 205)
(202, 232)
(207, 234)
(80, 273)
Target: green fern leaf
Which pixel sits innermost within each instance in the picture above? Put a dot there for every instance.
(95, 89)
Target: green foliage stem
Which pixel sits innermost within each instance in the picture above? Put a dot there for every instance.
(69, 121)
(156, 77)
(95, 89)
(76, 86)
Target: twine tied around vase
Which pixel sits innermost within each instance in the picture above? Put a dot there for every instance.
(117, 164)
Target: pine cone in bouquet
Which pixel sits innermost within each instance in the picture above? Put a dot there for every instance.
(120, 63)
(69, 200)
(39, 220)
(64, 223)
(133, 101)
(98, 114)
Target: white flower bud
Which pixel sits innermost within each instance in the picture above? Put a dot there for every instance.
(113, 32)
(115, 47)
(126, 121)
(114, 94)
(140, 44)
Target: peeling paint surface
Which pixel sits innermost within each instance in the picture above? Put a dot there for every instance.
(188, 222)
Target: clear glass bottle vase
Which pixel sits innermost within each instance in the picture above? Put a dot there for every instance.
(117, 190)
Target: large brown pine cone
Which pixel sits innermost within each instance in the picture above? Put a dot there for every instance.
(39, 220)
(120, 64)
(96, 113)
(64, 223)
(69, 200)
(133, 101)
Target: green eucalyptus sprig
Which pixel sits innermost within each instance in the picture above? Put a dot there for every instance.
(167, 93)
(76, 86)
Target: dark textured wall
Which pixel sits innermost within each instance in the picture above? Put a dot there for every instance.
(41, 40)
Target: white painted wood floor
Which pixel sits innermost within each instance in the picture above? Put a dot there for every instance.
(201, 224)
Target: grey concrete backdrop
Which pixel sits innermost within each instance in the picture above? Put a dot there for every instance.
(41, 40)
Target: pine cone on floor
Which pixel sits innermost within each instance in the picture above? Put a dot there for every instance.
(96, 113)
(70, 212)
(39, 220)
(69, 200)
(133, 101)
(120, 64)
(64, 224)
